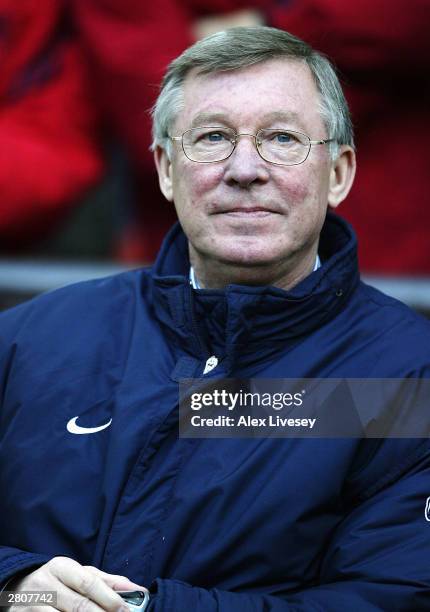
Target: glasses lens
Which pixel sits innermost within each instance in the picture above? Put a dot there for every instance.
(208, 144)
(283, 146)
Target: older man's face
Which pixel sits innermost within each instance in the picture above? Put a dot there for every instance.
(244, 211)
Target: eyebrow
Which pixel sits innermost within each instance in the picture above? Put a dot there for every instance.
(282, 116)
(209, 119)
(202, 118)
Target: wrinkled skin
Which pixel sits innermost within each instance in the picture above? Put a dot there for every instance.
(247, 220)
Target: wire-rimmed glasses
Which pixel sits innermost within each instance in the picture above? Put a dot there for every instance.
(277, 146)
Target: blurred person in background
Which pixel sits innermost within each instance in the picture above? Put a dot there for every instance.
(49, 156)
(381, 47)
(128, 45)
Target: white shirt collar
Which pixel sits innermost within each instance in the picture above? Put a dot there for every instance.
(195, 283)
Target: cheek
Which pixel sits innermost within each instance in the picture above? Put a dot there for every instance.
(193, 184)
(305, 188)
(295, 189)
(298, 192)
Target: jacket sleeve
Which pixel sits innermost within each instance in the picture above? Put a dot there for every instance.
(376, 560)
(14, 561)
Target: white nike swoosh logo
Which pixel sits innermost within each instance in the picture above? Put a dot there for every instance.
(76, 429)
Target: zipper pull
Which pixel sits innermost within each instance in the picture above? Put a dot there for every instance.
(211, 363)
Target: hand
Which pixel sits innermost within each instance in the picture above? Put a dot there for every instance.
(209, 25)
(78, 587)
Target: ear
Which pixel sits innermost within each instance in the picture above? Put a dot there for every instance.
(164, 169)
(342, 175)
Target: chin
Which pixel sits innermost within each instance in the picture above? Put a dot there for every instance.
(248, 256)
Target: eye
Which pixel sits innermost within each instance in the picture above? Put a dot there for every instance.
(208, 138)
(283, 138)
(214, 137)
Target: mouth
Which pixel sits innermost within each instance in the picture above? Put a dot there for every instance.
(248, 212)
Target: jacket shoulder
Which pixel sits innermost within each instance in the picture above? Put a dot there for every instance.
(74, 320)
(396, 314)
(403, 330)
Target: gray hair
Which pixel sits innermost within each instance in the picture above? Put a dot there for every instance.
(241, 47)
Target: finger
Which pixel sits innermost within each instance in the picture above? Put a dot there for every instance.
(87, 583)
(115, 581)
(65, 599)
(68, 599)
(71, 600)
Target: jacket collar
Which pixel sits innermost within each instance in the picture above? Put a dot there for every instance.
(242, 319)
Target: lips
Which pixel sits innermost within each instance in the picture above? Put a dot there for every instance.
(255, 211)
(248, 213)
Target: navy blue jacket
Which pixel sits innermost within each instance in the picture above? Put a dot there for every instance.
(246, 525)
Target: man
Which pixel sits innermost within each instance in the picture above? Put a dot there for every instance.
(253, 143)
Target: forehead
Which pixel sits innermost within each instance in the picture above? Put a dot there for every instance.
(278, 89)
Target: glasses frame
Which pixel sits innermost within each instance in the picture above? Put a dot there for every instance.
(256, 143)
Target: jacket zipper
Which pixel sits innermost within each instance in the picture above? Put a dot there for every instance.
(211, 361)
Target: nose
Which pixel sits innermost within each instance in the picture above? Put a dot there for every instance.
(245, 166)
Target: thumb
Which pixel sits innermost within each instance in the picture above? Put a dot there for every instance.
(115, 581)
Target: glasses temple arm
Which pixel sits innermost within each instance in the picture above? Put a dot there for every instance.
(326, 141)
